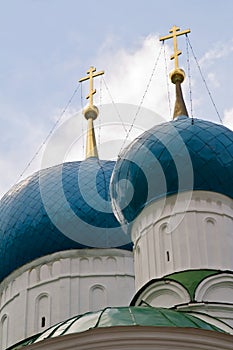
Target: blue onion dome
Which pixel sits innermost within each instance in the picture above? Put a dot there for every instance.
(124, 317)
(181, 155)
(63, 207)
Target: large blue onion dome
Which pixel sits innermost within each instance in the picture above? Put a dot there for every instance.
(63, 207)
(125, 317)
(181, 155)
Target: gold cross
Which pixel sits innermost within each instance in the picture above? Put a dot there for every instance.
(90, 76)
(175, 33)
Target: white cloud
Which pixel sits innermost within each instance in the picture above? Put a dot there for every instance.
(127, 73)
(19, 142)
(213, 79)
(228, 118)
(219, 50)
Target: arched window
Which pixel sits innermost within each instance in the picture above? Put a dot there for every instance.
(166, 244)
(42, 314)
(98, 298)
(212, 238)
(84, 265)
(4, 332)
(210, 223)
(97, 264)
(111, 264)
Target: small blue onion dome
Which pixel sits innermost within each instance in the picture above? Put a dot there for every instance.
(63, 207)
(182, 155)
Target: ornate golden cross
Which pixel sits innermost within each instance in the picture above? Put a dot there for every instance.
(91, 74)
(175, 33)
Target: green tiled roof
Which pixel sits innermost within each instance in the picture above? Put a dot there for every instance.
(122, 316)
(190, 279)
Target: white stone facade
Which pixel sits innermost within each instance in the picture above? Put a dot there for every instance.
(188, 231)
(192, 231)
(213, 296)
(58, 286)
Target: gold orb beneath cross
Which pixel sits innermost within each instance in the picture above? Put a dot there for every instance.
(91, 112)
(177, 75)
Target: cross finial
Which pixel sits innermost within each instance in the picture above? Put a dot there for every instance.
(177, 75)
(91, 113)
(175, 32)
(91, 74)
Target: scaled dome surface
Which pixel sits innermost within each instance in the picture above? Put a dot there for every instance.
(122, 316)
(181, 155)
(63, 207)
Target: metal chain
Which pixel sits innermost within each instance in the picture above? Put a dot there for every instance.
(167, 81)
(49, 134)
(100, 105)
(114, 105)
(142, 99)
(189, 77)
(204, 81)
(82, 106)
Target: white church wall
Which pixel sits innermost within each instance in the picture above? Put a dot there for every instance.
(215, 289)
(178, 237)
(4, 331)
(42, 311)
(56, 287)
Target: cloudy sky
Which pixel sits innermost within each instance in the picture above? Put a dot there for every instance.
(47, 45)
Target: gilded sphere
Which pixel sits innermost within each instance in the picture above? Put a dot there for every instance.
(91, 112)
(177, 75)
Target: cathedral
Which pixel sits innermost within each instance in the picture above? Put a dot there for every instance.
(132, 254)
